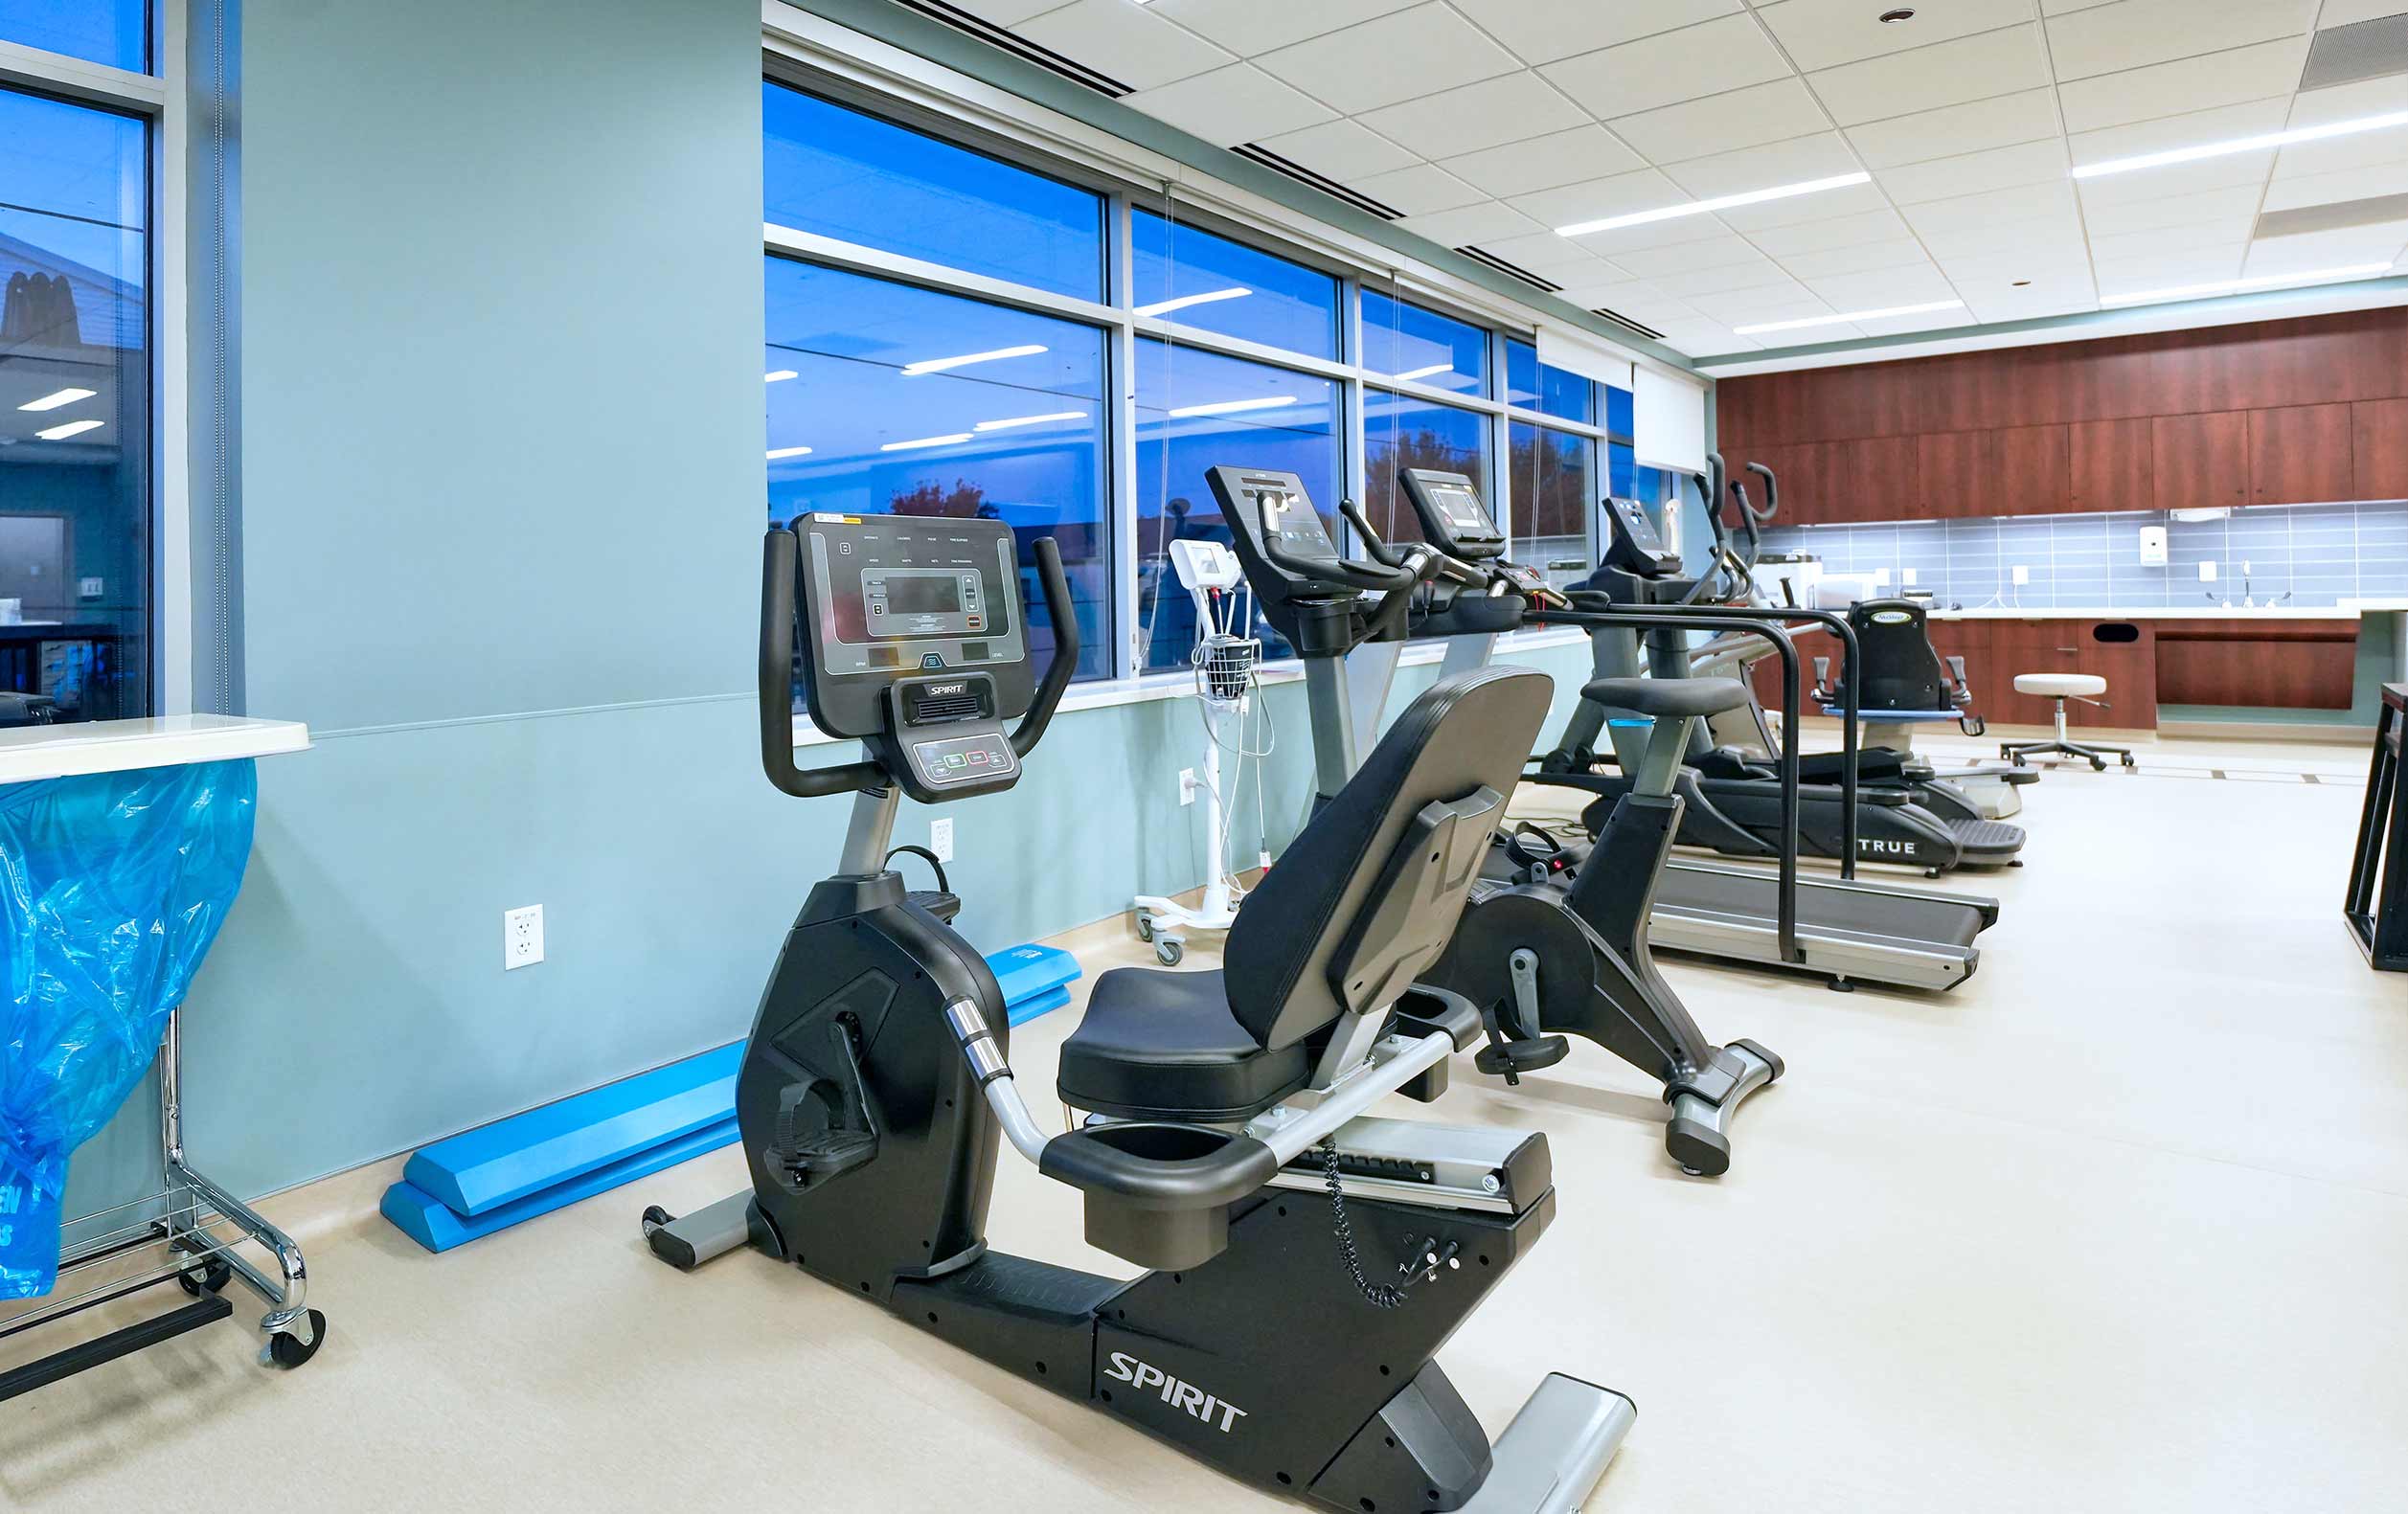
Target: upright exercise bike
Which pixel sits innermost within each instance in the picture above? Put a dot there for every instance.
(1311, 1260)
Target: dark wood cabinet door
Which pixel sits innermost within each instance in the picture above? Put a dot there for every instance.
(2034, 475)
(2300, 455)
(2199, 461)
(1884, 479)
(2379, 449)
(1958, 475)
(2109, 465)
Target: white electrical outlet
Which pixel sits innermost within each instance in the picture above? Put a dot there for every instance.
(1187, 785)
(2023, 575)
(91, 588)
(1880, 578)
(1907, 577)
(941, 838)
(2207, 573)
(522, 936)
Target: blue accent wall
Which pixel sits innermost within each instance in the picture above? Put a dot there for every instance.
(502, 470)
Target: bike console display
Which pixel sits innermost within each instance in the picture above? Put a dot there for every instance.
(1635, 546)
(1452, 515)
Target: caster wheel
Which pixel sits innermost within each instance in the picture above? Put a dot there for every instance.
(1701, 1151)
(210, 1279)
(1169, 949)
(2129, 763)
(289, 1352)
(1145, 926)
(654, 1217)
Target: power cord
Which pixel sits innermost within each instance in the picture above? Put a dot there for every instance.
(1380, 1296)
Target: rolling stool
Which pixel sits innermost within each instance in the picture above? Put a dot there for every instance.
(2061, 687)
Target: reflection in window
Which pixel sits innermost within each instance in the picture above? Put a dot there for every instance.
(1404, 341)
(841, 173)
(1553, 497)
(75, 406)
(1626, 480)
(1185, 274)
(1197, 411)
(116, 32)
(1401, 433)
(884, 398)
(1617, 410)
(1545, 387)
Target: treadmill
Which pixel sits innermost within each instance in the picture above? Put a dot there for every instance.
(1845, 930)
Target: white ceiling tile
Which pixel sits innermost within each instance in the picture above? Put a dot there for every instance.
(1846, 231)
(1704, 60)
(1822, 34)
(1005, 12)
(1470, 225)
(1129, 43)
(2168, 272)
(2368, 97)
(2266, 70)
(2190, 128)
(1248, 27)
(2107, 219)
(1230, 105)
(1780, 301)
(1930, 321)
(1824, 262)
(2021, 205)
(1474, 116)
(1596, 199)
(2132, 34)
(1401, 56)
(1545, 252)
(2333, 189)
(1773, 112)
(2321, 249)
(1590, 295)
(1796, 161)
(1721, 252)
(1856, 199)
(1886, 287)
(1541, 163)
(1763, 273)
(1340, 149)
(1708, 339)
(1976, 172)
(1989, 272)
(1955, 129)
(2367, 149)
(2350, 12)
(2040, 237)
(1678, 231)
(2237, 170)
(1543, 30)
(2232, 233)
(1419, 190)
(2001, 62)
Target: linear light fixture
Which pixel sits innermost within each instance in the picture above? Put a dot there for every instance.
(63, 397)
(1780, 192)
(775, 453)
(1231, 407)
(937, 365)
(1849, 318)
(1165, 307)
(924, 441)
(2258, 143)
(2194, 291)
(1431, 371)
(780, 376)
(1030, 420)
(72, 428)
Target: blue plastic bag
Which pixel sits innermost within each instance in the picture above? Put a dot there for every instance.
(112, 888)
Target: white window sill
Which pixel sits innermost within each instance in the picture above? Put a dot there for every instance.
(1104, 694)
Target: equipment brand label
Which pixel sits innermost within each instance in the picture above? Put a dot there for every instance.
(1183, 1396)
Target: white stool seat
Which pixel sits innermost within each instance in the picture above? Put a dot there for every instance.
(2060, 686)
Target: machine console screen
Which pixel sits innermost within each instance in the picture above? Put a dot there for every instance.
(902, 593)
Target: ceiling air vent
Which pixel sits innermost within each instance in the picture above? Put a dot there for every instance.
(1327, 185)
(1020, 47)
(2341, 216)
(2344, 55)
(1527, 276)
(1620, 319)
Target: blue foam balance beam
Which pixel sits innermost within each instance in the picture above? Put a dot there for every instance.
(426, 1220)
(1034, 978)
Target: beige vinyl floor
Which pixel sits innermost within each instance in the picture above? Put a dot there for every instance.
(2121, 1226)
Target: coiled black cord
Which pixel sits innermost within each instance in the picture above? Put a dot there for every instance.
(1380, 1296)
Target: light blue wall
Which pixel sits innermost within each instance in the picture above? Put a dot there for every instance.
(502, 480)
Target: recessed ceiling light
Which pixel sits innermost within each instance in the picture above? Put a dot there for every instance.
(72, 428)
(780, 376)
(925, 442)
(63, 397)
(1030, 420)
(1165, 307)
(1901, 13)
(2258, 144)
(1852, 315)
(1724, 202)
(775, 453)
(937, 365)
(1231, 407)
(2194, 291)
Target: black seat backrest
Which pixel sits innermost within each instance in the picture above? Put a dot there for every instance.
(1901, 672)
(1465, 734)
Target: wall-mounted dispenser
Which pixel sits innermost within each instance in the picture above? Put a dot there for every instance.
(2152, 546)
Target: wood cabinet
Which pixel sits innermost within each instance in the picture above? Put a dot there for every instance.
(2272, 664)
(1959, 474)
(2378, 448)
(2200, 461)
(2034, 469)
(2109, 465)
(2300, 455)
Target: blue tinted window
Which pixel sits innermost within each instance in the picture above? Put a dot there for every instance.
(112, 32)
(1401, 433)
(1554, 500)
(1617, 410)
(1545, 387)
(1404, 341)
(889, 399)
(1196, 411)
(1191, 276)
(1629, 481)
(75, 405)
(841, 173)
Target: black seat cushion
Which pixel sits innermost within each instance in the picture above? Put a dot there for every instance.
(1159, 1045)
(1669, 697)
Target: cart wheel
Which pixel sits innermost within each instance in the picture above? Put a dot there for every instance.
(1145, 926)
(2128, 760)
(289, 1352)
(1169, 949)
(654, 1217)
(210, 1279)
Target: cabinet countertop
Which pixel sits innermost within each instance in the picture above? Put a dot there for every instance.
(2203, 611)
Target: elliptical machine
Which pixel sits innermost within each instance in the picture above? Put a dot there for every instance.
(1542, 950)
(875, 1090)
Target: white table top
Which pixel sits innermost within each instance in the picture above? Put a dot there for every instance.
(2351, 610)
(28, 753)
